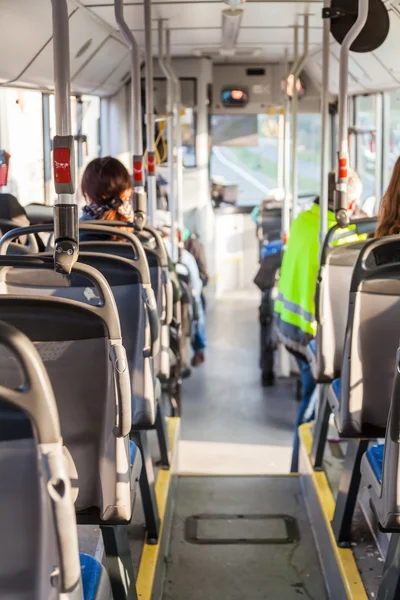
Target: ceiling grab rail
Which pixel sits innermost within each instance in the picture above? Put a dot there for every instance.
(295, 72)
(66, 246)
(139, 195)
(341, 202)
(170, 139)
(323, 198)
(178, 136)
(150, 128)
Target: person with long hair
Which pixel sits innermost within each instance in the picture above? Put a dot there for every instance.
(107, 188)
(389, 210)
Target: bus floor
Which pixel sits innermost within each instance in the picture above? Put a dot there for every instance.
(239, 531)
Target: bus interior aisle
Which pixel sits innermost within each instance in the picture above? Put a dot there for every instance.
(199, 300)
(239, 530)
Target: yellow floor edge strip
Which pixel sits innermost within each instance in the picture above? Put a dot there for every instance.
(344, 556)
(148, 561)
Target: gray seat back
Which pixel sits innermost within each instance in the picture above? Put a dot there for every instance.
(331, 309)
(37, 515)
(371, 340)
(82, 349)
(333, 285)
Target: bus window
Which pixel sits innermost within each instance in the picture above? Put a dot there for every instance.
(309, 153)
(366, 155)
(21, 135)
(244, 152)
(392, 109)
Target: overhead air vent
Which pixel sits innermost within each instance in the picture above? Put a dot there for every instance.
(83, 48)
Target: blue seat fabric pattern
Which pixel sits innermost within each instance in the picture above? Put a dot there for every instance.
(90, 571)
(375, 458)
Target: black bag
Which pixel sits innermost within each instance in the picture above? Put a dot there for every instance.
(265, 277)
(268, 340)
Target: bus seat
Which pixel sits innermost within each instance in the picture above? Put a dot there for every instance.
(360, 399)
(39, 527)
(12, 210)
(333, 285)
(95, 583)
(380, 467)
(374, 455)
(331, 311)
(94, 406)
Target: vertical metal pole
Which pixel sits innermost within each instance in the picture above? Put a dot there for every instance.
(150, 131)
(136, 116)
(294, 128)
(170, 138)
(79, 119)
(66, 233)
(62, 86)
(386, 140)
(46, 148)
(286, 157)
(341, 202)
(281, 145)
(378, 147)
(178, 155)
(323, 199)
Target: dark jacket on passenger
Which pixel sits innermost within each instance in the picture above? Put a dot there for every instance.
(196, 248)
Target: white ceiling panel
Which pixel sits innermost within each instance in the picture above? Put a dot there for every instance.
(25, 28)
(388, 53)
(82, 30)
(98, 71)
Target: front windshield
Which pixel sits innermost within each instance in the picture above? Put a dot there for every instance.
(244, 153)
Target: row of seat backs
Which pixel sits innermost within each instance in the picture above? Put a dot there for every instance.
(361, 406)
(39, 555)
(333, 286)
(129, 281)
(157, 258)
(76, 342)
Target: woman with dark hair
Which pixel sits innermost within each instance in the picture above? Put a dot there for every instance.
(107, 187)
(389, 210)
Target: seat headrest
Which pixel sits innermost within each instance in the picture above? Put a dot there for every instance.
(11, 210)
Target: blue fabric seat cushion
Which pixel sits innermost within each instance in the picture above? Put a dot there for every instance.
(336, 388)
(132, 452)
(90, 571)
(375, 458)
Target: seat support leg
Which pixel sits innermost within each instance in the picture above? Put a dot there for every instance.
(389, 588)
(162, 436)
(147, 488)
(348, 491)
(119, 562)
(320, 429)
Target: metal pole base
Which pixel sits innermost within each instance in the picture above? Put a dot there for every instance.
(147, 488)
(389, 588)
(320, 429)
(348, 492)
(162, 436)
(119, 562)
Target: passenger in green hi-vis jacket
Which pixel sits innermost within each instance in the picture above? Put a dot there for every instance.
(295, 305)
